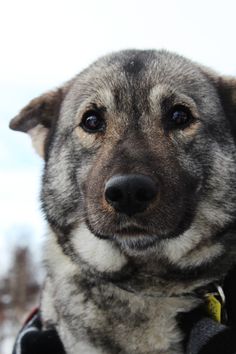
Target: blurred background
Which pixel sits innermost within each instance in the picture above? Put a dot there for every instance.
(44, 43)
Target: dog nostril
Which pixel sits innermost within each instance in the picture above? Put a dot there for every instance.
(113, 194)
(145, 195)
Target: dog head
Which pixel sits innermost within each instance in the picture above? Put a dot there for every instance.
(140, 148)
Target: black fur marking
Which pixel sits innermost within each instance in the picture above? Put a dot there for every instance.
(99, 339)
(49, 140)
(175, 273)
(63, 230)
(134, 66)
(96, 233)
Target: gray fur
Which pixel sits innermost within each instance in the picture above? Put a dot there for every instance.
(115, 284)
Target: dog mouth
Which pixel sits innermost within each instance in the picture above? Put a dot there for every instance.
(126, 232)
(134, 237)
(132, 231)
(151, 225)
(143, 230)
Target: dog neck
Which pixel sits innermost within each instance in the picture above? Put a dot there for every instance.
(102, 261)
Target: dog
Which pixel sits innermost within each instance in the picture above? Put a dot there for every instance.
(138, 191)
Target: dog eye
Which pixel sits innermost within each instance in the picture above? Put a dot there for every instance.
(92, 122)
(180, 116)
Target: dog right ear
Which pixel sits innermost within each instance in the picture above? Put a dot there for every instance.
(227, 91)
(39, 115)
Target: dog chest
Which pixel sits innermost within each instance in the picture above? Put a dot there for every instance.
(111, 320)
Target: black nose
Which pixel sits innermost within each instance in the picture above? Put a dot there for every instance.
(130, 194)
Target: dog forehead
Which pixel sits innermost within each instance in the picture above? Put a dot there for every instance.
(125, 80)
(144, 68)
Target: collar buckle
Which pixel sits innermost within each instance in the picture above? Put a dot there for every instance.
(215, 304)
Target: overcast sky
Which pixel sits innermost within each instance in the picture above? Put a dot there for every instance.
(44, 43)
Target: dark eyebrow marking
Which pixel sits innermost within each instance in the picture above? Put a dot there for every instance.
(97, 108)
(133, 66)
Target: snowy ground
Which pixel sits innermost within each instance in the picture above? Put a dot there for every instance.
(10, 324)
(7, 337)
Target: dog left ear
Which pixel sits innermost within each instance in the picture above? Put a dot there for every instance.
(227, 91)
(39, 115)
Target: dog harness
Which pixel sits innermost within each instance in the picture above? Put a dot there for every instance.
(32, 339)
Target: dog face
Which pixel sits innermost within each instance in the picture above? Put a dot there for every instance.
(139, 147)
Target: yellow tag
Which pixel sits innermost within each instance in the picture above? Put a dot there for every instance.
(214, 307)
